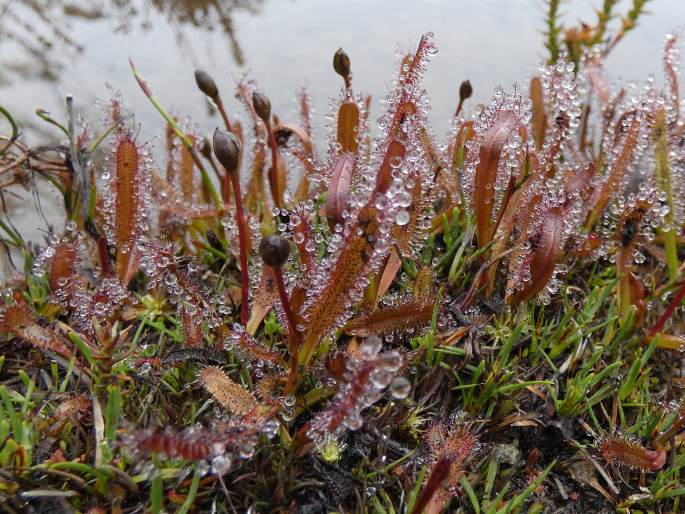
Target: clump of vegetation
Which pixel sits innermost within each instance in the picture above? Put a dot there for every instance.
(483, 325)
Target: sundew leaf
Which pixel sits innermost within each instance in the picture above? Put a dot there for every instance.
(263, 300)
(516, 213)
(486, 174)
(539, 119)
(338, 196)
(232, 396)
(348, 127)
(601, 195)
(21, 321)
(546, 245)
(393, 319)
(62, 265)
(127, 200)
(349, 267)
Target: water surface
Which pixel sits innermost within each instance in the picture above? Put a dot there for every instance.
(53, 47)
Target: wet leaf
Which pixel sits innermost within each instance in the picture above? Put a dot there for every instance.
(412, 315)
(348, 127)
(486, 174)
(21, 321)
(539, 119)
(601, 196)
(338, 197)
(232, 396)
(546, 247)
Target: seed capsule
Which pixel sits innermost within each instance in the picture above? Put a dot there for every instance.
(227, 149)
(262, 106)
(206, 84)
(341, 63)
(465, 90)
(274, 250)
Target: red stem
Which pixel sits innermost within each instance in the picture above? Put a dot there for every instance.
(677, 299)
(273, 171)
(242, 239)
(295, 338)
(222, 111)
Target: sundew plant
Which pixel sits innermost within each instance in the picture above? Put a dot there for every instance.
(245, 319)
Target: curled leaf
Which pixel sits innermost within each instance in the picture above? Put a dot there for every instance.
(537, 263)
(339, 188)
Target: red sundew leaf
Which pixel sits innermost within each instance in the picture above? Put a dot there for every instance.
(232, 396)
(601, 195)
(127, 201)
(433, 487)
(404, 234)
(304, 230)
(433, 156)
(351, 264)
(348, 127)
(255, 189)
(346, 402)
(486, 174)
(331, 303)
(63, 264)
(455, 447)
(593, 68)
(539, 119)
(339, 189)
(515, 214)
(264, 299)
(305, 112)
(546, 250)
(187, 172)
(392, 266)
(21, 321)
(424, 284)
(192, 329)
(392, 319)
(670, 69)
(396, 150)
(619, 450)
(170, 145)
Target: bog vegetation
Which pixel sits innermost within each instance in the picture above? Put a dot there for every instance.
(383, 322)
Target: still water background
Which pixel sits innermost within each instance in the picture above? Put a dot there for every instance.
(49, 48)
